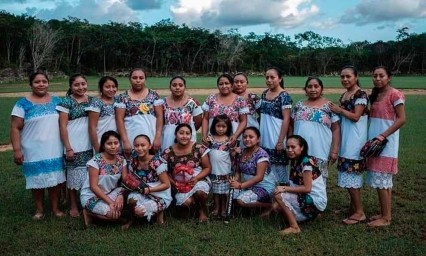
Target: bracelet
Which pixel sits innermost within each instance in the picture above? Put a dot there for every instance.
(68, 150)
(241, 186)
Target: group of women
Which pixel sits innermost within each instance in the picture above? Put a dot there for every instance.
(273, 154)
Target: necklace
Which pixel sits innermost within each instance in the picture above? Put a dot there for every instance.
(248, 155)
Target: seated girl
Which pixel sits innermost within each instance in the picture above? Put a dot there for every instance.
(306, 195)
(101, 196)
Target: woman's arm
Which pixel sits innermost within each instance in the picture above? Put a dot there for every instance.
(283, 131)
(119, 120)
(93, 125)
(16, 126)
(158, 126)
(198, 121)
(205, 163)
(305, 188)
(399, 121)
(353, 116)
(63, 130)
(205, 127)
(241, 126)
(335, 141)
(165, 183)
(260, 173)
(94, 186)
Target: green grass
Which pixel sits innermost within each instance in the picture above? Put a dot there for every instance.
(401, 82)
(244, 235)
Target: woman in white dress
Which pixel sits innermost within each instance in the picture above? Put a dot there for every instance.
(275, 110)
(179, 108)
(73, 126)
(353, 113)
(101, 111)
(37, 144)
(139, 111)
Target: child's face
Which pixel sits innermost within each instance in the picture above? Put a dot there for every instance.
(221, 128)
(141, 146)
(294, 149)
(250, 139)
(112, 145)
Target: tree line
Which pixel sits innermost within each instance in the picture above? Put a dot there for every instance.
(75, 45)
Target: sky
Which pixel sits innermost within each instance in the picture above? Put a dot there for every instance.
(348, 20)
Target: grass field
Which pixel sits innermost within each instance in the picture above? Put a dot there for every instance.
(248, 235)
(401, 82)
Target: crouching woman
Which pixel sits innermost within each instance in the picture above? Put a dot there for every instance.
(306, 195)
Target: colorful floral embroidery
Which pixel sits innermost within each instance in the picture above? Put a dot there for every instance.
(350, 104)
(182, 114)
(275, 106)
(233, 111)
(192, 159)
(139, 107)
(322, 115)
(76, 110)
(108, 168)
(296, 171)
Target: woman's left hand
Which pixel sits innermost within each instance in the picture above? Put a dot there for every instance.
(119, 202)
(279, 189)
(193, 181)
(156, 144)
(279, 147)
(333, 158)
(333, 107)
(232, 140)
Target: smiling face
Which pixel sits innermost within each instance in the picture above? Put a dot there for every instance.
(294, 149)
(381, 78)
(272, 79)
(112, 145)
(79, 86)
(141, 146)
(183, 136)
(137, 80)
(224, 85)
(39, 85)
(348, 79)
(177, 87)
(240, 84)
(109, 89)
(250, 138)
(313, 89)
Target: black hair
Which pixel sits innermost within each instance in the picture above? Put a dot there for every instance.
(136, 69)
(142, 136)
(104, 79)
(354, 70)
(71, 81)
(33, 76)
(241, 74)
(252, 128)
(178, 77)
(179, 126)
(105, 137)
(312, 78)
(227, 76)
(279, 74)
(221, 118)
(303, 143)
(375, 92)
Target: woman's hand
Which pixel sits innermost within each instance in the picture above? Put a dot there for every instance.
(69, 154)
(333, 107)
(333, 157)
(279, 189)
(206, 141)
(279, 147)
(232, 140)
(156, 145)
(18, 157)
(235, 184)
(127, 148)
(119, 202)
(193, 181)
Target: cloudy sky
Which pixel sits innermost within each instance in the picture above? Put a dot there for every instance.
(349, 20)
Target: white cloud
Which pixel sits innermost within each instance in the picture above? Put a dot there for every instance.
(326, 24)
(372, 11)
(95, 11)
(231, 13)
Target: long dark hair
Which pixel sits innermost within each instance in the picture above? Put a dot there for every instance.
(71, 81)
(221, 118)
(105, 137)
(375, 92)
(303, 143)
(279, 74)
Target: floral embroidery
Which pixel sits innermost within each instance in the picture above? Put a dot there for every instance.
(76, 110)
(350, 104)
(322, 115)
(80, 159)
(182, 114)
(233, 111)
(36, 110)
(139, 107)
(192, 160)
(108, 168)
(275, 106)
(149, 173)
(296, 171)
(350, 165)
(253, 103)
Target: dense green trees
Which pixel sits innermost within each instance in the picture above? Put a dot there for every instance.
(75, 45)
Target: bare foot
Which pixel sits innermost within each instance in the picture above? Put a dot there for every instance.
(59, 214)
(376, 217)
(379, 223)
(38, 216)
(74, 213)
(203, 218)
(355, 219)
(290, 230)
(160, 218)
(127, 225)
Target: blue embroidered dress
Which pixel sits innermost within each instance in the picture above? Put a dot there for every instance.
(41, 143)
